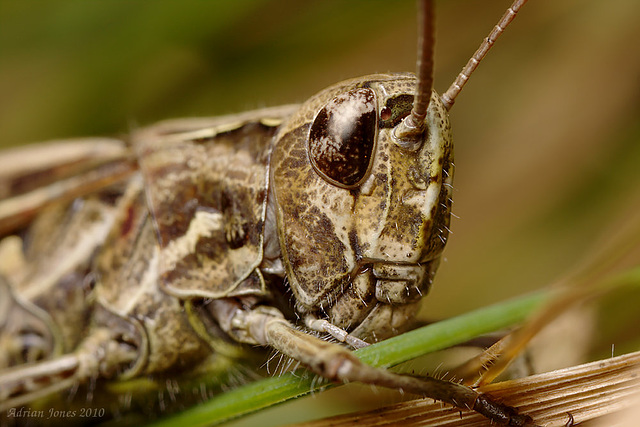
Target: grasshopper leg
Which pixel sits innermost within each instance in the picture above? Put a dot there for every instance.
(266, 326)
(99, 356)
(322, 325)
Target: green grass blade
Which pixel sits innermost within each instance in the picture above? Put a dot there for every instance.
(450, 332)
(437, 336)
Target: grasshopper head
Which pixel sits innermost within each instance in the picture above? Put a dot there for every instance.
(362, 215)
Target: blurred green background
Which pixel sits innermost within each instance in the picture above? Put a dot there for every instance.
(547, 132)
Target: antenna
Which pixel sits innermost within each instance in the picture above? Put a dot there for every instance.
(409, 132)
(449, 97)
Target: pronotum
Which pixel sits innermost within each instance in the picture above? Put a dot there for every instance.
(504, 164)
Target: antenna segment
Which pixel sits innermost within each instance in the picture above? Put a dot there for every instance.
(409, 132)
(449, 97)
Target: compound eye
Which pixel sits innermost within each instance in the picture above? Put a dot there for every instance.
(342, 138)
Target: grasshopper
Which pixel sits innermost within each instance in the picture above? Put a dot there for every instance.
(122, 222)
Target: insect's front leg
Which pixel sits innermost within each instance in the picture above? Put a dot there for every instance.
(324, 326)
(266, 326)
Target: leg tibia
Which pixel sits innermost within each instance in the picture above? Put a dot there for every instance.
(266, 326)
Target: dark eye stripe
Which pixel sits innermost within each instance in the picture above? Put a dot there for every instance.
(342, 138)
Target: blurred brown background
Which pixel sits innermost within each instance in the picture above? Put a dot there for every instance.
(547, 132)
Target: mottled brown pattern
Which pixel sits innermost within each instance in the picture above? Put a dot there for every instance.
(399, 214)
(119, 247)
(128, 287)
(222, 176)
(413, 219)
(55, 283)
